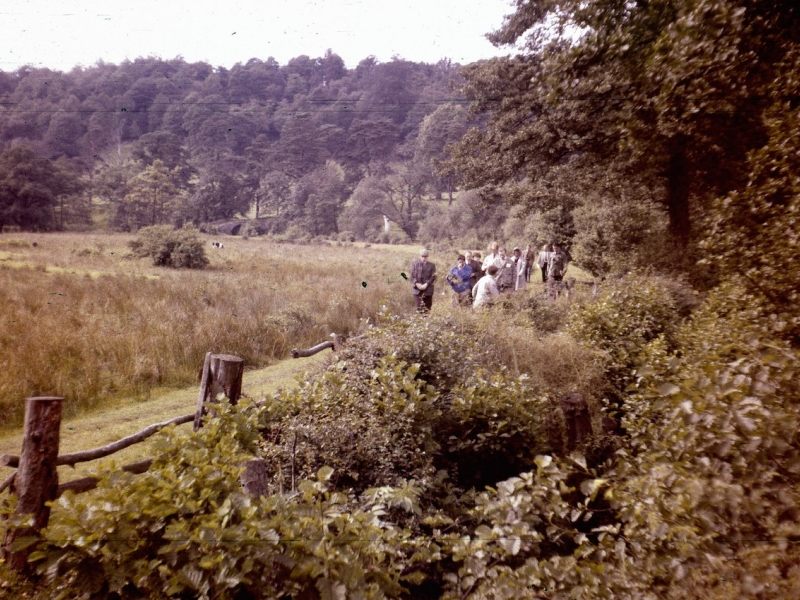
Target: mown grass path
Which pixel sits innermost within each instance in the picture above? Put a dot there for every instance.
(129, 416)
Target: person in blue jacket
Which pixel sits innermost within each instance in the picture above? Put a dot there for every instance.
(458, 278)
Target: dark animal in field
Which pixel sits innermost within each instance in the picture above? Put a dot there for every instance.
(217, 244)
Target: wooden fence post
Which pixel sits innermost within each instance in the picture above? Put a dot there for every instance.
(36, 481)
(222, 373)
(578, 419)
(255, 479)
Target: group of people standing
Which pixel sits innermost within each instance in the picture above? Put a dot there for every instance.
(480, 283)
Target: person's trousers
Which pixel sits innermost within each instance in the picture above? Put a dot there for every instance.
(423, 303)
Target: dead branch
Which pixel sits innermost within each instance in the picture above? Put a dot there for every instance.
(89, 483)
(11, 460)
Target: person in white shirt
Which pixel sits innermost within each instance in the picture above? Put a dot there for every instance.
(485, 291)
(492, 257)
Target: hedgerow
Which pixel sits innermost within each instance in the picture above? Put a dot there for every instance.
(395, 477)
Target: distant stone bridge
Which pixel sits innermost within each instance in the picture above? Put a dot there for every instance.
(233, 227)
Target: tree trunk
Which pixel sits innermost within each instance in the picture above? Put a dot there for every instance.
(36, 482)
(678, 184)
(577, 418)
(449, 190)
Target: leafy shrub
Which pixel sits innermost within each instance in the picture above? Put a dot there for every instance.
(428, 394)
(374, 431)
(631, 313)
(185, 529)
(169, 247)
(545, 315)
(393, 236)
(710, 460)
(494, 426)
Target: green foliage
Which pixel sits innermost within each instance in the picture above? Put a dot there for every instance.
(713, 436)
(150, 197)
(653, 108)
(252, 229)
(631, 313)
(494, 427)
(170, 247)
(372, 431)
(754, 233)
(186, 529)
(371, 461)
(33, 189)
(710, 461)
(406, 401)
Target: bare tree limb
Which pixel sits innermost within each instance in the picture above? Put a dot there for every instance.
(11, 460)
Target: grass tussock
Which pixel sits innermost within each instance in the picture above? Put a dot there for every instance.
(85, 320)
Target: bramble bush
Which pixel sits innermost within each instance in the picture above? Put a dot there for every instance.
(186, 529)
(709, 461)
(630, 314)
(170, 247)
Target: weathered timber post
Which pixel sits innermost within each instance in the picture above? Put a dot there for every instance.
(36, 480)
(577, 418)
(222, 373)
(255, 479)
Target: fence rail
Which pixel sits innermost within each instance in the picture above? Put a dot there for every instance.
(35, 482)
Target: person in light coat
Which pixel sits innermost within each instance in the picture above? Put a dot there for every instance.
(520, 270)
(485, 291)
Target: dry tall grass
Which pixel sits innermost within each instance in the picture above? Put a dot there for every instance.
(82, 319)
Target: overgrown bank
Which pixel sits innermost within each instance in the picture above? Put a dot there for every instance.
(380, 465)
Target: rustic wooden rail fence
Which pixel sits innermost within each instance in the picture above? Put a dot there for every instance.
(35, 481)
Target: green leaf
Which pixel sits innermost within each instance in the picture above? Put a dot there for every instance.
(22, 543)
(668, 389)
(331, 590)
(324, 474)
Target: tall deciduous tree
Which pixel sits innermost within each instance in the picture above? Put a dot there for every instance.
(30, 188)
(667, 91)
(446, 125)
(150, 194)
(398, 194)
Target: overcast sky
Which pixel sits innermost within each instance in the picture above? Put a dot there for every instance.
(61, 34)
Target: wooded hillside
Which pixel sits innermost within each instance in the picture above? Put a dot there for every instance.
(163, 141)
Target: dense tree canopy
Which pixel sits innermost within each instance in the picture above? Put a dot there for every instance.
(30, 189)
(666, 99)
(230, 139)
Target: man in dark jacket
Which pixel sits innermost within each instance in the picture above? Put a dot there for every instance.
(557, 263)
(423, 274)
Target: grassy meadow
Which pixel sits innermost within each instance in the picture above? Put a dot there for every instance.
(85, 320)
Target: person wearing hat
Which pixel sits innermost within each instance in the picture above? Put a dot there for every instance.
(423, 274)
